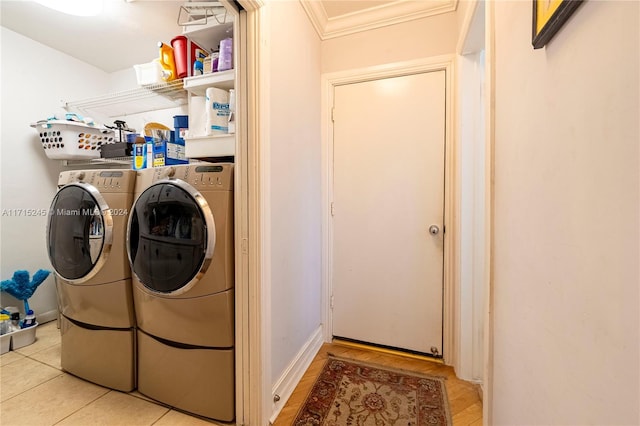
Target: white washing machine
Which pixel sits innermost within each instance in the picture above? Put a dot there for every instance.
(86, 234)
(180, 246)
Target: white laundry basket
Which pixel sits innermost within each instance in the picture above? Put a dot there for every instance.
(69, 140)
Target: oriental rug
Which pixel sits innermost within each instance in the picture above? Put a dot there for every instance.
(352, 393)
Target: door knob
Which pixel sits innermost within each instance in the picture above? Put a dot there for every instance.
(434, 230)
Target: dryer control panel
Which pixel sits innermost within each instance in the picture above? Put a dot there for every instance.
(104, 180)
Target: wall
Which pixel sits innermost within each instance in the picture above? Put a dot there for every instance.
(422, 38)
(34, 79)
(125, 80)
(566, 225)
(293, 155)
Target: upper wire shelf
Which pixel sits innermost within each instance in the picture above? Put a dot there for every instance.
(142, 99)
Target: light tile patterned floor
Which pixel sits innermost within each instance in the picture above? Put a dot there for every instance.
(34, 391)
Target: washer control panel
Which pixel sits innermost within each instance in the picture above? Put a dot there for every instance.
(205, 176)
(103, 180)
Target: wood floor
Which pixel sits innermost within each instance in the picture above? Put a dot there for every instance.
(464, 400)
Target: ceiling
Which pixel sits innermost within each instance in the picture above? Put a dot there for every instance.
(128, 31)
(338, 8)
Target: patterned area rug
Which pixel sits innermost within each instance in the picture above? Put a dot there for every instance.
(352, 393)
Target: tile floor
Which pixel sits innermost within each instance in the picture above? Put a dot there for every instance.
(35, 391)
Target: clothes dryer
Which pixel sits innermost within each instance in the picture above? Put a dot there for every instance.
(86, 245)
(181, 249)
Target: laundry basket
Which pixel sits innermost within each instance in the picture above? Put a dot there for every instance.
(69, 140)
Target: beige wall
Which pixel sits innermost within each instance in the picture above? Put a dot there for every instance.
(566, 277)
(28, 179)
(422, 38)
(294, 180)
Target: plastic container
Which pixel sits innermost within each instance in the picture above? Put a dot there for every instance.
(184, 51)
(23, 337)
(5, 343)
(167, 61)
(5, 321)
(149, 73)
(181, 126)
(200, 54)
(181, 121)
(29, 320)
(14, 316)
(215, 57)
(225, 61)
(70, 140)
(198, 67)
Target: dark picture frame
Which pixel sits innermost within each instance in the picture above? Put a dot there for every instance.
(546, 24)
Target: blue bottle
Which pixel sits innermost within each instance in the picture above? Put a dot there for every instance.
(29, 320)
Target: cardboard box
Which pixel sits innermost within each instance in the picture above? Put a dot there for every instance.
(166, 153)
(142, 156)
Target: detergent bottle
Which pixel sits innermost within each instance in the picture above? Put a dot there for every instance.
(168, 62)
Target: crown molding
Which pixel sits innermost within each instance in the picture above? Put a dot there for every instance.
(380, 16)
(317, 15)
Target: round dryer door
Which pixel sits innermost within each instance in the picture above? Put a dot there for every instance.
(170, 237)
(79, 232)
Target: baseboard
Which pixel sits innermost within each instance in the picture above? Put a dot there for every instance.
(283, 388)
(47, 316)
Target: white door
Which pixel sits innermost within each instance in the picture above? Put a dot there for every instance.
(388, 190)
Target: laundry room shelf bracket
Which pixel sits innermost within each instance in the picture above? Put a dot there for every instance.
(198, 13)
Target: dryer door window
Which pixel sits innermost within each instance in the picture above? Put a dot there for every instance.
(78, 232)
(171, 237)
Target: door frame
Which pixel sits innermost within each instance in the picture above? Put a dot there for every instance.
(253, 390)
(473, 187)
(328, 82)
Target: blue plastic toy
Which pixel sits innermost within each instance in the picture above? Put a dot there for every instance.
(21, 288)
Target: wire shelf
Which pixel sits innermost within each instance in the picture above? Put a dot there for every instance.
(116, 162)
(142, 99)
